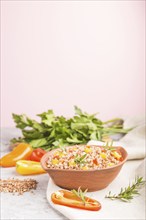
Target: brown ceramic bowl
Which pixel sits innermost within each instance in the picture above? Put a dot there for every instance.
(92, 180)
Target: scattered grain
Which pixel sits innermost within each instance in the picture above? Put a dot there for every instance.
(17, 186)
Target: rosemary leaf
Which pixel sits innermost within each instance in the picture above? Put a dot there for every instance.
(75, 192)
(109, 146)
(80, 159)
(80, 194)
(128, 193)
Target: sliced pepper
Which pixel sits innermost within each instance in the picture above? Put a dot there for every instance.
(68, 198)
(28, 167)
(21, 152)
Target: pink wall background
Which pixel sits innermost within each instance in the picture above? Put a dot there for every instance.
(59, 54)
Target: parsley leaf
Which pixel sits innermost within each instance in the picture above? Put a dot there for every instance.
(56, 131)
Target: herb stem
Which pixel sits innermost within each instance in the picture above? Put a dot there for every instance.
(80, 194)
(127, 194)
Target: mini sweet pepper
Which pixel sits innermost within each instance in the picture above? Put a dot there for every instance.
(28, 167)
(21, 152)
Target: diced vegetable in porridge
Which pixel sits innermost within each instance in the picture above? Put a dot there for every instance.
(84, 157)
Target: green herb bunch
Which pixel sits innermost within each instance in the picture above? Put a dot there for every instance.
(56, 131)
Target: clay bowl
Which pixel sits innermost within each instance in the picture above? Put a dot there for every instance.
(92, 180)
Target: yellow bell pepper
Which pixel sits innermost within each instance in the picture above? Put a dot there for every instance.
(28, 167)
(110, 164)
(103, 155)
(116, 155)
(72, 163)
(88, 150)
(84, 168)
(55, 161)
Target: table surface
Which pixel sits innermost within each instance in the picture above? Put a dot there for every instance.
(29, 205)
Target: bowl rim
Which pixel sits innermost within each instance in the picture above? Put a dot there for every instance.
(43, 161)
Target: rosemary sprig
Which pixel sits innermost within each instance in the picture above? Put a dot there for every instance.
(80, 194)
(128, 193)
(109, 146)
(80, 159)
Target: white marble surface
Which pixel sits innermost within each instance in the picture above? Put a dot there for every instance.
(28, 206)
